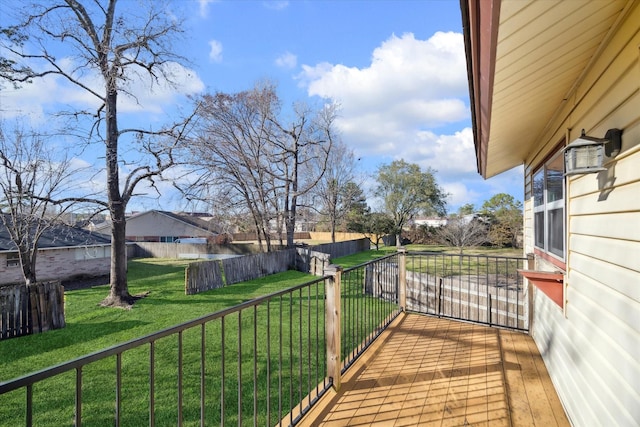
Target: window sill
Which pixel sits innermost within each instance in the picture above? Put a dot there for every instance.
(553, 259)
(551, 284)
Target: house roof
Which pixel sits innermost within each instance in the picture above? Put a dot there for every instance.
(57, 236)
(191, 220)
(524, 62)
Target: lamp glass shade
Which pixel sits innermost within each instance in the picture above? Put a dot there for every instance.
(583, 158)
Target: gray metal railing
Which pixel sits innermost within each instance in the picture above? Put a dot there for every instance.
(262, 362)
(369, 304)
(477, 288)
(266, 361)
(249, 364)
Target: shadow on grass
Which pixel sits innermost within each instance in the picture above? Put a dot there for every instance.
(71, 335)
(226, 296)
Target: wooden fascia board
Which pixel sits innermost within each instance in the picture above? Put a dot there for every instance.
(480, 21)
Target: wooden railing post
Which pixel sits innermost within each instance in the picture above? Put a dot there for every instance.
(332, 323)
(531, 265)
(402, 278)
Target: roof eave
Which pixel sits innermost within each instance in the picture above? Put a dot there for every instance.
(480, 20)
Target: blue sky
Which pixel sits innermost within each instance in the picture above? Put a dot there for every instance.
(396, 68)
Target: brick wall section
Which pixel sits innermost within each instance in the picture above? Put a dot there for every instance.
(56, 264)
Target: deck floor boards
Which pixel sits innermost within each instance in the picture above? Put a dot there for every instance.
(425, 371)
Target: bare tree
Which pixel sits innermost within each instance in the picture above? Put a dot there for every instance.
(463, 231)
(30, 180)
(256, 161)
(307, 143)
(335, 194)
(116, 47)
(233, 153)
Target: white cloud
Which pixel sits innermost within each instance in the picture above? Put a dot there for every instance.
(410, 88)
(55, 94)
(411, 103)
(450, 155)
(401, 68)
(204, 7)
(287, 60)
(460, 194)
(215, 51)
(275, 4)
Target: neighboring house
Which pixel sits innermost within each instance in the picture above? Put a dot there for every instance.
(441, 222)
(63, 252)
(162, 226)
(430, 222)
(539, 73)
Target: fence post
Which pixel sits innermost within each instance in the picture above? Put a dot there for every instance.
(531, 265)
(332, 323)
(402, 278)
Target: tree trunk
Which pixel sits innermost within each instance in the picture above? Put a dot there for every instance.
(28, 263)
(290, 224)
(119, 291)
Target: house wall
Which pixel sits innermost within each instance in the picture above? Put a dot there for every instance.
(591, 347)
(152, 225)
(61, 264)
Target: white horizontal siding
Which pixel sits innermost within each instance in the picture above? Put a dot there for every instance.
(595, 377)
(607, 185)
(592, 350)
(616, 319)
(614, 398)
(611, 226)
(616, 254)
(550, 333)
(623, 198)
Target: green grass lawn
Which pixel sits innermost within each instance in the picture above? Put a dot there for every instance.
(91, 327)
(290, 330)
(362, 257)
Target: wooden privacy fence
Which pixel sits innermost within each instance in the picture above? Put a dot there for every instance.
(477, 298)
(207, 275)
(340, 249)
(31, 309)
(381, 280)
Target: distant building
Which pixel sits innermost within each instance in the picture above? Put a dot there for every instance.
(163, 226)
(430, 221)
(63, 252)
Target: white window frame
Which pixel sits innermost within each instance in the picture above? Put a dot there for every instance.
(12, 259)
(547, 206)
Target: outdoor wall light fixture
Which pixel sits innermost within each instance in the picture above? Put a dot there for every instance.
(586, 154)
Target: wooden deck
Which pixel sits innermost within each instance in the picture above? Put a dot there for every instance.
(425, 371)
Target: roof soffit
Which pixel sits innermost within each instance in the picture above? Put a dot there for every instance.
(542, 51)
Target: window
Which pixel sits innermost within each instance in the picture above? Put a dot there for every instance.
(92, 252)
(167, 239)
(13, 259)
(548, 206)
